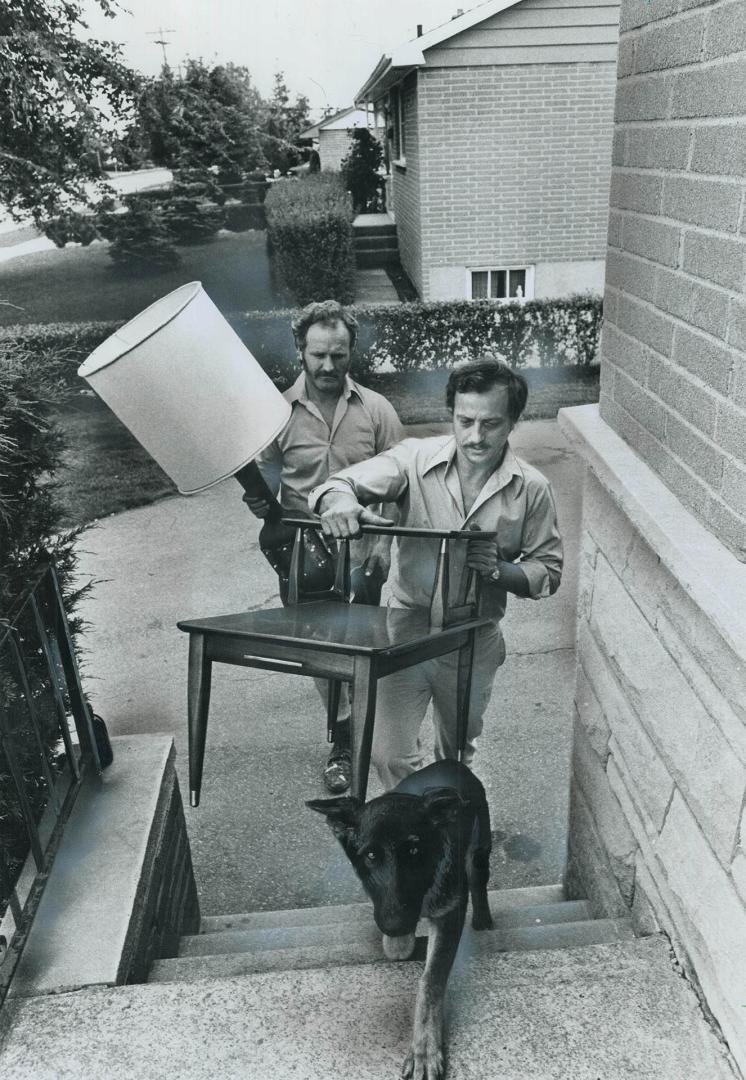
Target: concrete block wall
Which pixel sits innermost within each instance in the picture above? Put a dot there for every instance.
(514, 163)
(674, 338)
(657, 818)
(121, 890)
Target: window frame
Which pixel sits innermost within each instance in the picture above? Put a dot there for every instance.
(528, 293)
(399, 142)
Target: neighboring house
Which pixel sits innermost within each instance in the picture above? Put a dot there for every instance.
(498, 132)
(333, 134)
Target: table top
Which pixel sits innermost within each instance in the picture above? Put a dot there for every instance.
(333, 627)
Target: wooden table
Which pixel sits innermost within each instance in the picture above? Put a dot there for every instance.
(334, 640)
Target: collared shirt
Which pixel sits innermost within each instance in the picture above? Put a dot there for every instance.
(306, 451)
(420, 475)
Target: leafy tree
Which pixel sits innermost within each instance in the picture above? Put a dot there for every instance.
(59, 97)
(360, 169)
(285, 121)
(209, 117)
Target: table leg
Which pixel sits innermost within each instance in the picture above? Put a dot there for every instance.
(463, 691)
(362, 717)
(198, 703)
(332, 708)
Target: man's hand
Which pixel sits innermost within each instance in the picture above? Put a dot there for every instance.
(342, 515)
(482, 556)
(258, 506)
(379, 560)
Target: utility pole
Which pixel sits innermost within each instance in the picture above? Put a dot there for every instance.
(161, 41)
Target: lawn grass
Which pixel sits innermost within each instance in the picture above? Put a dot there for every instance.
(76, 284)
(105, 470)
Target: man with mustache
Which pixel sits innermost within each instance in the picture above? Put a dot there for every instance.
(334, 423)
(469, 479)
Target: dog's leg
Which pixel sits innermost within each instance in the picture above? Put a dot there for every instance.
(426, 1058)
(478, 870)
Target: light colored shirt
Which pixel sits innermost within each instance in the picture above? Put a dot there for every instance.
(420, 475)
(307, 452)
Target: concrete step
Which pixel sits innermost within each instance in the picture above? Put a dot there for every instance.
(621, 1012)
(368, 259)
(360, 930)
(517, 939)
(374, 230)
(380, 242)
(501, 900)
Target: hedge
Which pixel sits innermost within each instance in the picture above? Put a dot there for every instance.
(309, 233)
(405, 337)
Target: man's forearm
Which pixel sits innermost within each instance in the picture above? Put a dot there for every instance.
(512, 578)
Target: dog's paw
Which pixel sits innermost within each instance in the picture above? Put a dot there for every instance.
(428, 1064)
(398, 948)
(482, 920)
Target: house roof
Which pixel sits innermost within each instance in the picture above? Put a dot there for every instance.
(355, 116)
(405, 58)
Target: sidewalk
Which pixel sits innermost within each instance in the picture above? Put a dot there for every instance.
(254, 843)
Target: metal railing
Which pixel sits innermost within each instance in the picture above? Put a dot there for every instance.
(47, 744)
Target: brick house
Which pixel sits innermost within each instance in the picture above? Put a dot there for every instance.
(333, 134)
(498, 134)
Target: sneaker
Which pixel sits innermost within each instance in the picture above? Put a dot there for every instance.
(338, 771)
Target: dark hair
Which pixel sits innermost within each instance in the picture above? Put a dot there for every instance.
(481, 375)
(326, 312)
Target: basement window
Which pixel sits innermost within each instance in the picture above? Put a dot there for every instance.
(504, 284)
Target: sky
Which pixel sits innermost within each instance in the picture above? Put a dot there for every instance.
(326, 48)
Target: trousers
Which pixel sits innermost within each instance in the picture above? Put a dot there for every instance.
(403, 699)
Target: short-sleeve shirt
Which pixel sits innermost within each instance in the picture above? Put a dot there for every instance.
(420, 476)
(306, 451)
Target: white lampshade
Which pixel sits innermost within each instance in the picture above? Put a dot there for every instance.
(188, 389)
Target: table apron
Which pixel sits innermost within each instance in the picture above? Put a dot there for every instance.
(272, 657)
(387, 663)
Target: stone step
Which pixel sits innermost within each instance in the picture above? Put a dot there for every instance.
(369, 259)
(620, 1012)
(385, 242)
(500, 900)
(374, 230)
(518, 939)
(360, 930)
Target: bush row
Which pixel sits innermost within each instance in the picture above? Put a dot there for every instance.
(405, 337)
(309, 232)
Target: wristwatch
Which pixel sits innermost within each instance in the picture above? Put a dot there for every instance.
(495, 575)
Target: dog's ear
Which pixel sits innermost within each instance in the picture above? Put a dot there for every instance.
(342, 813)
(443, 805)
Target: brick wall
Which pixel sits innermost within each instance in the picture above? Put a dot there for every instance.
(334, 146)
(674, 373)
(657, 818)
(515, 163)
(406, 188)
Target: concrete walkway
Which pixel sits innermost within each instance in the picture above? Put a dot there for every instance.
(254, 843)
(374, 287)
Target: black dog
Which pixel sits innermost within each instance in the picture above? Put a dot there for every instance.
(419, 850)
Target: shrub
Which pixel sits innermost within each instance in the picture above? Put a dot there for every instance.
(30, 454)
(309, 230)
(407, 337)
(242, 216)
(435, 335)
(139, 234)
(360, 170)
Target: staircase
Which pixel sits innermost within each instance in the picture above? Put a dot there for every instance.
(333, 937)
(549, 994)
(375, 241)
